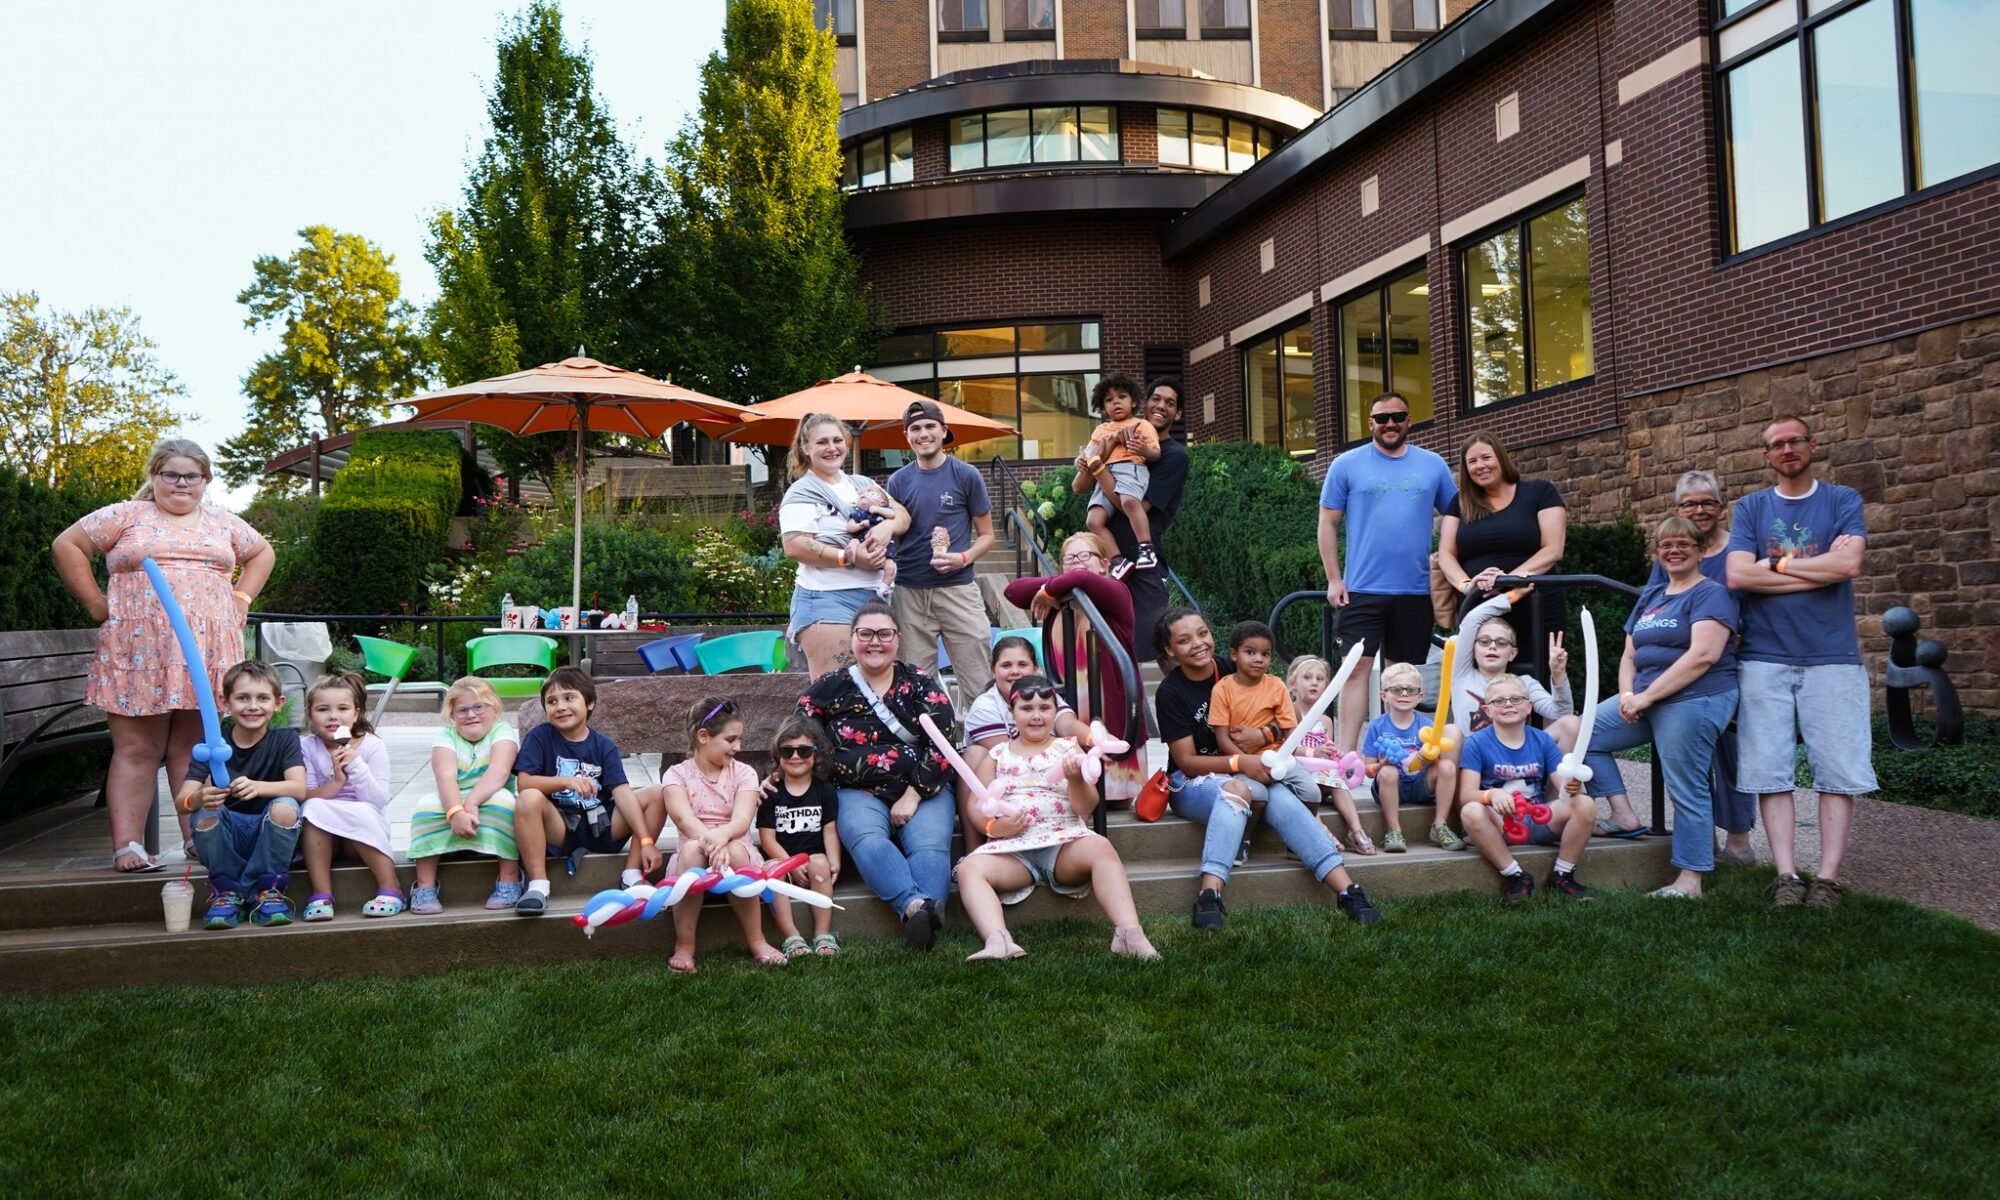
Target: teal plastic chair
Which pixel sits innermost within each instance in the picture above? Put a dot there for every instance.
(512, 649)
(760, 651)
(392, 659)
(1034, 635)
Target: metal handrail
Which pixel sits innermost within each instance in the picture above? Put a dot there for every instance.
(1039, 536)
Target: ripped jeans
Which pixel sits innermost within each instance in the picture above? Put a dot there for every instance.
(1202, 800)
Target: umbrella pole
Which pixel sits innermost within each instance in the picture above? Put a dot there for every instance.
(576, 543)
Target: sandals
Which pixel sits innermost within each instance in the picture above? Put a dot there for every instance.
(794, 947)
(1671, 893)
(826, 945)
(1606, 829)
(1363, 844)
(385, 904)
(424, 901)
(319, 907)
(146, 861)
(506, 894)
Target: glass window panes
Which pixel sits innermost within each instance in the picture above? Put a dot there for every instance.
(1007, 137)
(1160, 14)
(837, 14)
(1278, 390)
(1263, 393)
(1495, 343)
(1055, 135)
(1055, 415)
(993, 398)
(1385, 346)
(1410, 344)
(1208, 142)
(902, 156)
(975, 343)
(958, 16)
(1363, 346)
(1957, 89)
(1100, 136)
(1242, 146)
(1758, 28)
(1031, 14)
(1559, 295)
(1225, 14)
(1351, 14)
(1766, 150)
(850, 169)
(1413, 14)
(1173, 134)
(1297, 353)
(1266, 142)
(874, 165)
(1059, 339)
(903, 348)
(1859, 133)
(968, 143)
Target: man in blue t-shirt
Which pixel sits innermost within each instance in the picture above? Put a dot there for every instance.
(951, 525)
(1388, 492)
(1794, 550)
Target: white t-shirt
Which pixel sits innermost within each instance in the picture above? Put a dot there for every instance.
(988, 716)
(816, 520)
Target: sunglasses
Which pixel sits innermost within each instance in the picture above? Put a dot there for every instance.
(1037, 692)
(1389, 418)
(795, 751)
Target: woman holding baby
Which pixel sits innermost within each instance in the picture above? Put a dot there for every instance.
(841, 556)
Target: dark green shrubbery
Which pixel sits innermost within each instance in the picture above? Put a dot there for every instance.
(1247, 534)
(1963, 778)
(656, 565)
(31, 597)
(385, 521)
(1615, 550)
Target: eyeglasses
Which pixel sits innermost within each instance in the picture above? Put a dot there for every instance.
(182, 478)
(1389, 418)
(1784, 444)
(1404, 690)
(1702, 505)
(1080, 557)
(1505, 701)
(795, 752)
(465, 712)
(1676, 544)
(874, 635)
(1494, 643)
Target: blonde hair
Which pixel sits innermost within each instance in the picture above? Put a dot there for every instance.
(1505, 677)
(796, 462)
(474, 687)
(1090, 539)
(171, 448)
(1298, 667)
(1401, 670)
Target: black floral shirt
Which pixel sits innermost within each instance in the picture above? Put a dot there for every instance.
(866, 755)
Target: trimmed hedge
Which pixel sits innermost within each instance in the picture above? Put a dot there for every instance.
(386, 520)
(1964, 778)
(31, 597)
(655, 565)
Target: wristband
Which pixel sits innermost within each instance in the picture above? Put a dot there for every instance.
(964, 559)
(453, 811)
(645, 841)
(245, 597)
(989, 825)
(1235, 760)
(1778, 564)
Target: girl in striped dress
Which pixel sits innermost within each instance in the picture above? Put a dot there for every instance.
(473, 760)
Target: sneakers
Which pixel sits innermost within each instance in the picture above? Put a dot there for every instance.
(273, 908)
(1393, 842)
(1208, 910)
(921, 925)
(225, 909)
(1242, 854)
(1823, 894)
(1146, 558)
(1121, 567)
(1517, 887)
(1354, 902)
(506, 894)
(424, 901)
(531, 904)
(1444, 839)
(1564, 883)
(1787, 891)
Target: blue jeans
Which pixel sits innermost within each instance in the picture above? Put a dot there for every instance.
(901, 865)
(1200, 799)
(1683, 733)
(241, 849)
(1735, 809)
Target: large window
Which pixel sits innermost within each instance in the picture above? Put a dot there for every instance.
(837, 15)
(1385, 346)
(1351, 18)
(961, 20)
(1412, 19)
(891, 158)
(1034, 376)
(1527, 306)
(1225, 18)
(1023, 136)
(1029, 20)
(1278, 390)
(1211, 141)
(1840, 105)
(1158, 19)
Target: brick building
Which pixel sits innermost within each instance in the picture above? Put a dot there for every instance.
(1622, 234)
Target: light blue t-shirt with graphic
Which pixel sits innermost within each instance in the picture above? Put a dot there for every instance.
(1386, 505)
(1805, 629)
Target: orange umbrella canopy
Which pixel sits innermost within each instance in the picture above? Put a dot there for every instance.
(874, 407)
(554, 397)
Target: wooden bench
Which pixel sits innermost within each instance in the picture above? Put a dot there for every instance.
(43, 673)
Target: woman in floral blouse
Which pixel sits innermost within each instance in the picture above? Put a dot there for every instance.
(897, 808)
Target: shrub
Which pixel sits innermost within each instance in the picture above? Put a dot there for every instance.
(654, 565)
(31, 597)
(1955, 778)
(1615, 550)
(384, 522)
(287, 523)
(1247, 532)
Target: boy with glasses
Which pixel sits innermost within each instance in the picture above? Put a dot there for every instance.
(1389, 745)
(1502, 769)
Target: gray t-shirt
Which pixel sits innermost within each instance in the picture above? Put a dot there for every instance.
(950, 495)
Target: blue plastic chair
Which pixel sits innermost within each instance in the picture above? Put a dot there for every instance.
(758, 651)
(944, 656)
(1034, 635)
(664, 655)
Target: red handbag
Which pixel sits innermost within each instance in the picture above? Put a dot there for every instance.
(1152, 802)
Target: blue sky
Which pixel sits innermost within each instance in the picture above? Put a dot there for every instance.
(153, 149)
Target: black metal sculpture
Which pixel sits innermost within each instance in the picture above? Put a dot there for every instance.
(1918, 664)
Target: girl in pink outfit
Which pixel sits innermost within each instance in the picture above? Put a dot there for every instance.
(711, 800)
(1046, 841)
(347, 793)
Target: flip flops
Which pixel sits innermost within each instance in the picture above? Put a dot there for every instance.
(146, 861)
(1606, 829)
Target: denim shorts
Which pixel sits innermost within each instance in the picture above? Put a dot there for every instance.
(1411, 788)
(835, 607)
(1824, 707)
(1041, 864)
(581, 831)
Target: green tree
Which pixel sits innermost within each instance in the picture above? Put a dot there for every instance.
(349, 346)
(540, 257)
(82, 399)
(758, 284)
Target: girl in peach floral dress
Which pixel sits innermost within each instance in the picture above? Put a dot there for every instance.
(1046, 841)
(139, 678)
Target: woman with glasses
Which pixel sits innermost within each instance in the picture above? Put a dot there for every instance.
(1677, 690)
(1501, 524)
(897, 810)
(1086, 567)
(139, 678)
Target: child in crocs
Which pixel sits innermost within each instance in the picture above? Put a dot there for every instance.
(797, 817)
(245, 833)
(347, 789)
(1387, 745)
(473, 762)
(573, 796)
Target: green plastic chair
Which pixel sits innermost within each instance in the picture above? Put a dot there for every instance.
(512, 649)
(759, 651)
(1034, 635)
(393, 659)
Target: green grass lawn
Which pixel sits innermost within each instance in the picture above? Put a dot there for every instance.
(1624, 1048)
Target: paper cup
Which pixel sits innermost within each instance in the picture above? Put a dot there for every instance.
(178, 900)
(523, 616)
(566, 617)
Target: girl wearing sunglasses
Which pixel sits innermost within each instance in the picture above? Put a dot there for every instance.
(797, 817)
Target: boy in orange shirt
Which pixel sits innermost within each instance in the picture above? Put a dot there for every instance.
(1252, 707)
(1117, 462)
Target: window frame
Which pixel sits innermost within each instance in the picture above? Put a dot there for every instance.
(1276, 333)
(852, 153)
(1413, 32)
(853, 19)
(1225, 33)
(1162, 33)
(1258, 131)
(1462, 319)
(1076, 108)
(1353, 33)
(1026, 33)
(1801, 32)
(982, 34)
(1379, 287)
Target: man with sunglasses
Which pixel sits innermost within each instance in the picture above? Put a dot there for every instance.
(1794, 550)
(1388, 492)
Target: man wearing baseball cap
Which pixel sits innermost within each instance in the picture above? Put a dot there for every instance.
(951, 525)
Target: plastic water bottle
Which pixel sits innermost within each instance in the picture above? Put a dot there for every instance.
(506, 608)
(631, 612)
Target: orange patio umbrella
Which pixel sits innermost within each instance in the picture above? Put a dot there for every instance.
(874, 407)
(578, 394)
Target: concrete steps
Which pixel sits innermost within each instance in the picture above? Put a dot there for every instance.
(91, 929)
